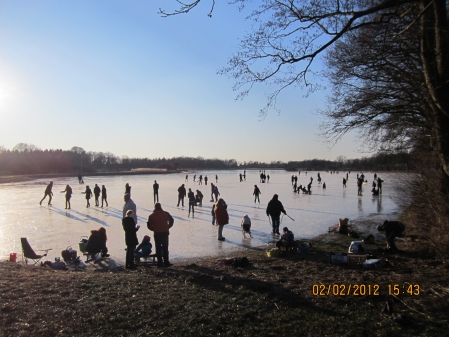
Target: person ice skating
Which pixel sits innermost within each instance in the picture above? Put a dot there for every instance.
(274, 209)
(256, 194)
(194, 178)
(104, 196)
(68, 195)
(216, 179)
(359, 186)
(49, 193)
(244, 175)
(241, 177)
(392, 230)
(221, 217)
(97, 192)
(199, 198)
(216, 193)
(293, 180)
(160, 222)
(130, 228)
(309, 186)
(155, 192)
(375, 176)
(286, 239)
(88, 193)
(379, 184)
(344, 182)
(296, 180)
(144, 249)
(212, 188)
(246, 226)
(129, 205)
(268, 178)
(80, 179)
(128, 189)
(205, 180)
(191, 197)
(324, 185)
(187, 177)
(181, 194)
(200, 180)
(97, 242)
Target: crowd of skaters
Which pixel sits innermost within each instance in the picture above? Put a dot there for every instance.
(160, 221)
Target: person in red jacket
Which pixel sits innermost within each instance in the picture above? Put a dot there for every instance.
(160, 222)
(221, 217)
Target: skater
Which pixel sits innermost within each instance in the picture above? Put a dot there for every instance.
(256, 194)
(216, 193)
(80, 179)
(274, 209)
(359, 186)
(97, 192)
(212, 188)
(293, 180)
(155, 192)
(241, 177)
(344, 182)
(194, 178)
(268, 178)
(309, 186)
(216, 179)
(187, 177)
(130, 228)
(324, 185)
(88, 193)
(205, 180)
(200, 180)
(246, 226)
(244, 175)
(213, 213)
(379, 184)
(49, 193)
(104, 196)
(160, 223)
(392, 230)
(128, 189)
(181, 194)
(221, 217)
(191, 197)
(68, 195)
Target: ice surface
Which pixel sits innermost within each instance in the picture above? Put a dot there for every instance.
(57, 228)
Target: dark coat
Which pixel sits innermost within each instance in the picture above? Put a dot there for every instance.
(96, 243)
(275, 208)
(129, 226)
(182, 191)
(221, 215)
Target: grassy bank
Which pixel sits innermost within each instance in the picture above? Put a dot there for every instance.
(271, 297)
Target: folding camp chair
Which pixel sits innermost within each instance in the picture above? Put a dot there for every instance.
(28, 252)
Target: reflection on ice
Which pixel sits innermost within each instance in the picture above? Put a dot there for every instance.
(58, 228)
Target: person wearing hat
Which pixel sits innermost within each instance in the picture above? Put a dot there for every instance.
(274, 209)
(144, 249)
(392, 230)
(160, 222)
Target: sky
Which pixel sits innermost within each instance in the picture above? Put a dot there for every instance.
(115, 76)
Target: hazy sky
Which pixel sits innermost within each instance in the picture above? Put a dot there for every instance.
(115, 76)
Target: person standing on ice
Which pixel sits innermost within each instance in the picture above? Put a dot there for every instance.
(256, 194)
(104, 196)
(88, 193)
(274, 210)
(127, 191)
(216, 179)
(221, 217)
(181, 194)
(49, 193)
(155, 192)
(205, 180)
(68, 195)
(97, 192)
(129, 205)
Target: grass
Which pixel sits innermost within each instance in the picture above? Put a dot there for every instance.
(271, 297)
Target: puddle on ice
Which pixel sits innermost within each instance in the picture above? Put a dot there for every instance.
(57, 228)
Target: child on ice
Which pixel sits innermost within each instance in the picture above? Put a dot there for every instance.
(246, 226)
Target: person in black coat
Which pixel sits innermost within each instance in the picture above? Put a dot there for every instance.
(130, 228)
(274, 210)
(97, 242)
(181, 194)
(392, 230)
(97, 192)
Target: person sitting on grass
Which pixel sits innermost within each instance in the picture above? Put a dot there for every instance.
(144, 249)
(97, 243)
(286, 239)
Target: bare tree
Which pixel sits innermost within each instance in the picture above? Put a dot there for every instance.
(289, 35)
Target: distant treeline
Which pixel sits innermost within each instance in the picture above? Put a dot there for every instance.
(28, 159)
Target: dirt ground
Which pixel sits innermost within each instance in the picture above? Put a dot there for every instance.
(299, 295)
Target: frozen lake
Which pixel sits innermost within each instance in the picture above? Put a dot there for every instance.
(56, 228)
